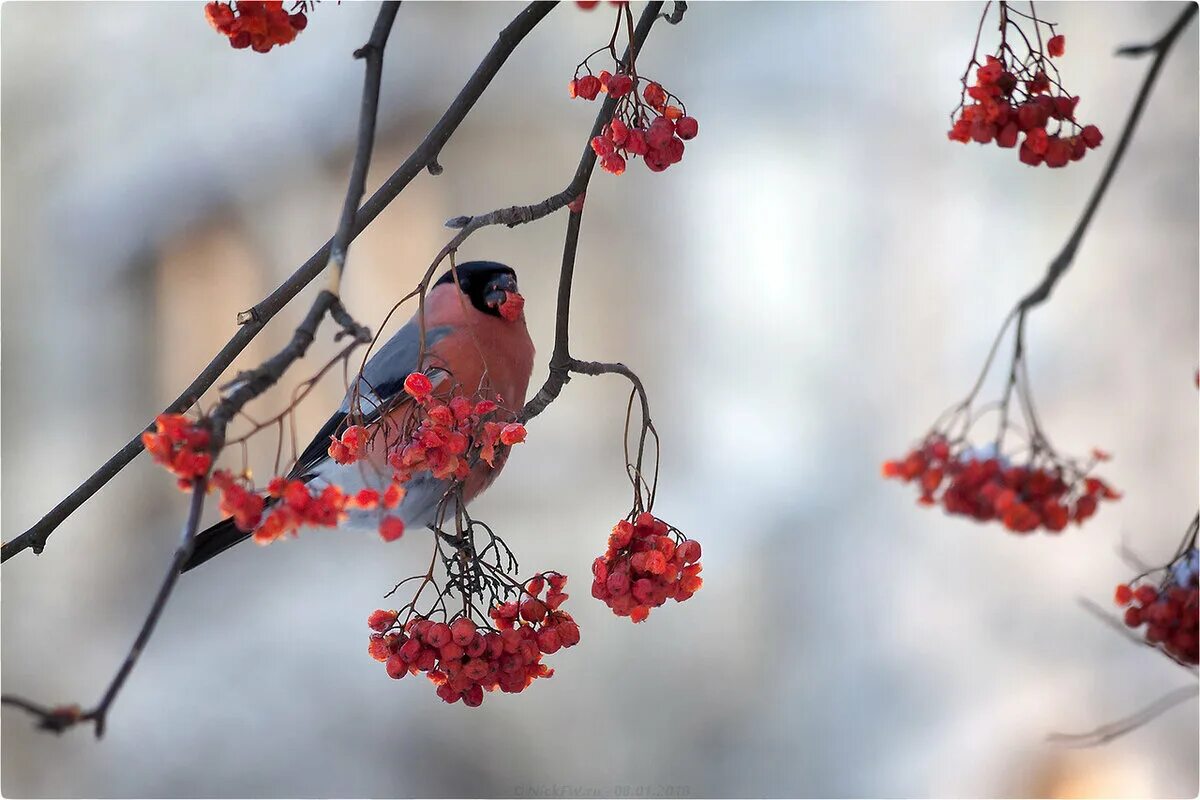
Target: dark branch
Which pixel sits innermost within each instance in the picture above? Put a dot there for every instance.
(372, 51)
(253, 320)
(676, 15)
(58, 719)
(249, 385)
(562, 364)
(1063, 260)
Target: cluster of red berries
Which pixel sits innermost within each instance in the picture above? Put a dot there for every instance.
(1006, 106)
(644, 567)
(257, 24)
(180, 444)
(654, 129)
(296, 504)
(588, 5)
(463, 660)
(982, 484)
(1170, 612)
(446, 433)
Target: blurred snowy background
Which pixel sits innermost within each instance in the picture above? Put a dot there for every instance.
(817, 280)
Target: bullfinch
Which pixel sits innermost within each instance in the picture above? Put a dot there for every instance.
(476, 338)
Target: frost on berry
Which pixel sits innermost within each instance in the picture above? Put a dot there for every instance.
(648, 121)
(1163, 603)
(647, 562)
(1015, 477)
(257, 24)
(1009, 95)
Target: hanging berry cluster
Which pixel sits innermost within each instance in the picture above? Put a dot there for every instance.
(1014, 95)
(1169, 604)
(984, 485)
(464, 659)
(647, 563)
(1016, 477)
(257, 24)
(648, 121)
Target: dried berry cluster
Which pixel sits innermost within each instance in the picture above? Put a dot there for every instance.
(985, 485)
(257, 24)
(652, 123)
(443, 435)
(180, 444)
(645, 566)
(1013, 95)
(463, 660)
(1170, 611)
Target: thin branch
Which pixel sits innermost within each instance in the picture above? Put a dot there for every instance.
(372, 51)
(1118, 626)
(1106, 733)
(562, 364)
(59, 719)
(246, 387)
(253, 320)
(1063, 260)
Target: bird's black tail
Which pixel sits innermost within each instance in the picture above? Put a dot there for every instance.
(214, 541)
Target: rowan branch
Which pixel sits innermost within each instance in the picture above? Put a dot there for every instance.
(562, 363)
(1063, 260)
(253, 320)
(245, 388)
(1114, 730)
(372, 51)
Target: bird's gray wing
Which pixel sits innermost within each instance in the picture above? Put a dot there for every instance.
(381, 380)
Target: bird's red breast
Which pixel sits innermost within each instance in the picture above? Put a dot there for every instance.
(485, 356)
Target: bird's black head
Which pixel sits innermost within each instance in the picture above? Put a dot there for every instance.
(489, 285)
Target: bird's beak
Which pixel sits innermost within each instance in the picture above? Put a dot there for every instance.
(499, 289)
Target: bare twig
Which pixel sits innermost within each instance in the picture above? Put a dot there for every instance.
(244, 388)
(562, 364)
(372, 51)
(1106, 733)
(59, 719)
(253, 320)
(1063, 260)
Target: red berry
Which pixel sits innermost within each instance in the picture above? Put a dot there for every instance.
(613, 163)
(620, 85)
(391, 528)
(396, 668)
(687, 128)
(438, 635)
(462, 631)
(1145, 595)
(588, 87)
